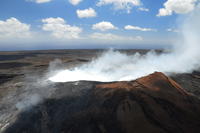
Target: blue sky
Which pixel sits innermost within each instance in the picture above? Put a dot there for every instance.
(55, 24)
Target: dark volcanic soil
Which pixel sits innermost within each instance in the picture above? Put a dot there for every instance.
(154, 104)
(81, 107)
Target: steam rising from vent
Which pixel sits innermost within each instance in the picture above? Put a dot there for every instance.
(115, 66)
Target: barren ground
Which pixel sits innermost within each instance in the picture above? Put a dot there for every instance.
(23, 69)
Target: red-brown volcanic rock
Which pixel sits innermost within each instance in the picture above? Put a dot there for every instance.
(151, 104)
(154, 103)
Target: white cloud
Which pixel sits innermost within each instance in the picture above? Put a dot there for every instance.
(143, 9)
(130, 27)
(177, 6)
(113, 37)
(87, 13)
(60, 29)
(75, 2)
(13, 28)
(40, 1)
(103, 26)
(120, 4)
(172, 30)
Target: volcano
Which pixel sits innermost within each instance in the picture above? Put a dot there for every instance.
(153, 104)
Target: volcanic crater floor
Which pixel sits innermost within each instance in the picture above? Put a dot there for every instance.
(155, 103)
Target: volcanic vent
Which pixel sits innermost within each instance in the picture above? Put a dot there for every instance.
(154, 104)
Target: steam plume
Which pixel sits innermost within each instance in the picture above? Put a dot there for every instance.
(115, 66)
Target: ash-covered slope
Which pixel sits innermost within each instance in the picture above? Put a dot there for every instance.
(152, 104)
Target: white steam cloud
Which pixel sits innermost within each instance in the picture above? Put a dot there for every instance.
(115, 66)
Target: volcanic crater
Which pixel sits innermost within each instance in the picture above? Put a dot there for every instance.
(154, 103)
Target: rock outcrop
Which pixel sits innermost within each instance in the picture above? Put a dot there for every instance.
(153, 104)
